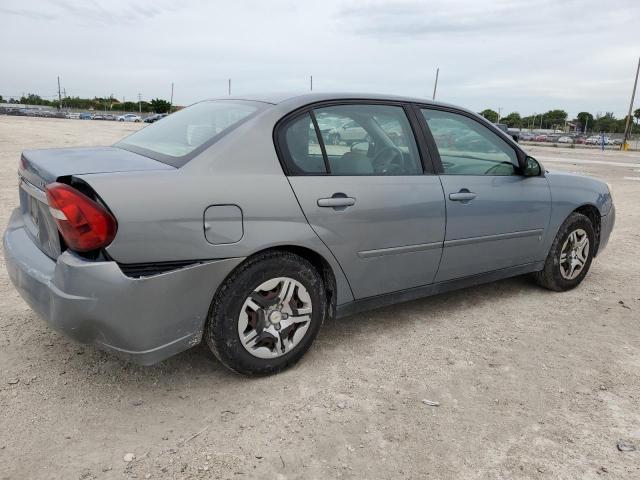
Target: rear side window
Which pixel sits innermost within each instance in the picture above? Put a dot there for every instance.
(180, 136)
(302, 148)
(351, 140)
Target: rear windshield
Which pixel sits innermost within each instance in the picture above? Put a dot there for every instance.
(179, 137)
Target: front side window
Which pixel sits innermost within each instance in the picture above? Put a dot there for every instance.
(467, 147)
(181, 134)
(357, 140)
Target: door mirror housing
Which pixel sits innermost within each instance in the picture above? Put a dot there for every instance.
(531, 167)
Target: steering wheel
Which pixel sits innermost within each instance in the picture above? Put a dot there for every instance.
(498, 165)
(395, 160)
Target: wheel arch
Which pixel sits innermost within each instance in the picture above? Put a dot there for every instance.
(319, 262)
(593, 214)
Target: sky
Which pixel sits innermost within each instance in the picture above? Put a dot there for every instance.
(513, 55)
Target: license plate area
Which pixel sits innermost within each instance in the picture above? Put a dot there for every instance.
(38, 221)
(34, 210)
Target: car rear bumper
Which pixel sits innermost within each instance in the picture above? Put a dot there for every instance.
(606, 227)
(144, 320)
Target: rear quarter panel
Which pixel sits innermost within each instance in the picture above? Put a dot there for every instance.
(160, 214)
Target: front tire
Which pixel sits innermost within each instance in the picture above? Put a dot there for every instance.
(570, 255)
(266, 314)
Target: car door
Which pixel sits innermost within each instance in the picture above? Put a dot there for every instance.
(496, 217)
(370, 202)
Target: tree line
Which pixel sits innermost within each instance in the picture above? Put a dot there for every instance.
(157, 105)
(558, 119)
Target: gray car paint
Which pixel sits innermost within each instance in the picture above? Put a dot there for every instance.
(144, 320)
(503, 226)
(160, 212)
(404, 241)
(49, 164)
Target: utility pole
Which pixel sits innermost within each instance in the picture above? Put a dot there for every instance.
(499, 114)
(586, 124)
(311, 83)
(435, 85)
(229, 87)
(633, 96)
(171, 102)
(60, 96)
(139, 103)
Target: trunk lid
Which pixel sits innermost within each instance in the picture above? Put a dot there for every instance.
(45, 166)
(40, 167)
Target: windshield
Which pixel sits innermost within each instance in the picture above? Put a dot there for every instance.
(179, 137)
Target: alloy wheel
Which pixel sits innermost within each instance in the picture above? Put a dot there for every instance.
(274, 318)
(574, 254)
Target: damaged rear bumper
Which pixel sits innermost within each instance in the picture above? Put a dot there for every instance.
(144, 320)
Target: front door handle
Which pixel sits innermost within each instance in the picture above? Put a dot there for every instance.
(337, 200)
(463, 195)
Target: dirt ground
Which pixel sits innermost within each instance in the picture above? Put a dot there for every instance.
(531, 384)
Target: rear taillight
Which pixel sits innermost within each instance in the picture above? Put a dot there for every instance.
(84, 224)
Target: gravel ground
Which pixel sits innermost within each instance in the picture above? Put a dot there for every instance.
(530, 383)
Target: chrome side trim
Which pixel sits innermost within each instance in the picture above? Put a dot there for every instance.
(491, 238)
(396, 250)
(34, 191)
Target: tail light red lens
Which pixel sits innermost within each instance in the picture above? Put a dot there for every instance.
(84, 224)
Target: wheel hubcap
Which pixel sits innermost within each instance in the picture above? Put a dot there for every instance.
(274, 318)
(574, 254)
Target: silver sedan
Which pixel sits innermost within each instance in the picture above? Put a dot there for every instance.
(248, 222)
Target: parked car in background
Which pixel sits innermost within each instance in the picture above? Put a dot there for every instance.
(540, 138)
(349, 133)
(129, 117)
(97, 116)
(236, 221)
(109, 117)
(72, 115)
(527, 136)
(565, 139)
(84, 116)
(597, 140)
(512, 133)
(155, 117)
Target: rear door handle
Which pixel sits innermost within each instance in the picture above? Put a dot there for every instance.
(338, 200)
(463, 195)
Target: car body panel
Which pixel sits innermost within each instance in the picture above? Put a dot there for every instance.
(49, 164)
(396, 226)
(94, 302)
(570, 191)
(502, 227)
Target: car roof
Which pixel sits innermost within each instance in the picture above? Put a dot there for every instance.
(300, 99)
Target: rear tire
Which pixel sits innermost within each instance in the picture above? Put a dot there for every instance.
(570, 255)
(275, 286)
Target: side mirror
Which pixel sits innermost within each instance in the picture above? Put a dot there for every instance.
(531, 167)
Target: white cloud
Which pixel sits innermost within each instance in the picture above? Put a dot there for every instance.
(519, 55)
